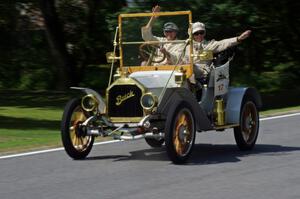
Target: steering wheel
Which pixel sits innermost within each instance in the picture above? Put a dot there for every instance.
(150, 51)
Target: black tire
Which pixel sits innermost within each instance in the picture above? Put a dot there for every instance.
(246, 133)
(76, 144)
(154, 142)
(180, 133)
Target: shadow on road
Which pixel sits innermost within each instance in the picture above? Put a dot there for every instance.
(151, 154)
(204, 154)
(215, 154)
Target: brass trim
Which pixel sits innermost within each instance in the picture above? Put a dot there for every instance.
(123, 68)
(180, 78)
(152, 42)
(204, 55)
(124, 81)
(126, 119)
(155, 98)
(93, 98)
(219, 112)
(122, 98)
(155, 14)
(117, 75)
(111, 57)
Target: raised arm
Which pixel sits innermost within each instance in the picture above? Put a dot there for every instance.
(243, 36)
(155, 9)
(147, 30)
(218, 46)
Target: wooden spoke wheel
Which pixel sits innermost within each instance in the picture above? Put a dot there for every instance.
(246, 134)
(75, 141)
(180, 133)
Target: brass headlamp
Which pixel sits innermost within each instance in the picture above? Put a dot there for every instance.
(89, 102)
(148, 101)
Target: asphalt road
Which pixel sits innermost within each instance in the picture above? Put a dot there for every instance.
(133, 170)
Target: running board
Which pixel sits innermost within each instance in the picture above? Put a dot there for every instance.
(225, 126)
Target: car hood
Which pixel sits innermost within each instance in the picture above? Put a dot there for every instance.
(155, 79)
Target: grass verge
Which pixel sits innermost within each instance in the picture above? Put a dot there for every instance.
(31, 121)
(274, 112)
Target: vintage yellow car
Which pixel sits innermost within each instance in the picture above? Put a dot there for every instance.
(149, 98)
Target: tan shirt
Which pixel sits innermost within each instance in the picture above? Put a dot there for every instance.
(202, 67)
(212, 45)
(174, 49)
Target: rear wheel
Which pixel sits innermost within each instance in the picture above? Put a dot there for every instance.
(75, 141)
(180, 133)
(246, 134)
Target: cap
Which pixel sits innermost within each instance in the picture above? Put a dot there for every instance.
(170, 26)
(198, 26)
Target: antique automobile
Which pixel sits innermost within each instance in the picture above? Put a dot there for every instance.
(146, 99)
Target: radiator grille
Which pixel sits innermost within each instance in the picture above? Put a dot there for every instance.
(124, 101)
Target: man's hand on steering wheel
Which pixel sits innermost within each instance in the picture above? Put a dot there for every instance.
(166, 54)
(149, 51)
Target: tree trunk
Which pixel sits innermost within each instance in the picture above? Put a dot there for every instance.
(65, 65)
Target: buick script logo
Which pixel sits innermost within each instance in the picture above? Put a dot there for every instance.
(121, 98)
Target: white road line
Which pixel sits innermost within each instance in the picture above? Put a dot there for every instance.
(279, 116)
(49, 150)
(113, 141)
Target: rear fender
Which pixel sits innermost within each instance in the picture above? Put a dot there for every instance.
(234, 102)
(101, 102)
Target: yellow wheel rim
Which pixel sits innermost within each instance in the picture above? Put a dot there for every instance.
(183, 132)
(80, 143)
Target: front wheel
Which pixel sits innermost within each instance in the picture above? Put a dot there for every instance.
(76, 143)
(246, 133)
(180, 133)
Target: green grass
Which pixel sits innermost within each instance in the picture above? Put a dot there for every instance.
(31, 120)
(280, 111)
(23, 112)
(12, 141)
(24, 128)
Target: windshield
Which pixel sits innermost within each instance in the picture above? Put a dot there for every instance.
(145, 47)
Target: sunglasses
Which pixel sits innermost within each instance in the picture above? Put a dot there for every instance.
(169, 31)
(199, 33)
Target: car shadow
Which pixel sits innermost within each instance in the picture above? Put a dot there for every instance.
(203, 154)
(151, 154)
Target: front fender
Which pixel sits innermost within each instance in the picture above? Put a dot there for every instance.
(101, 102)
(174, 96)
(235, 100)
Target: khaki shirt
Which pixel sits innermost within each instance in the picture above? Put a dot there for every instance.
(174, 49)
(203, 67)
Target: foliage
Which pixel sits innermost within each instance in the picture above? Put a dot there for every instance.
(268, 60)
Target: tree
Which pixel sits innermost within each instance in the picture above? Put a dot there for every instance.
(65, 65)
(77, 33)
